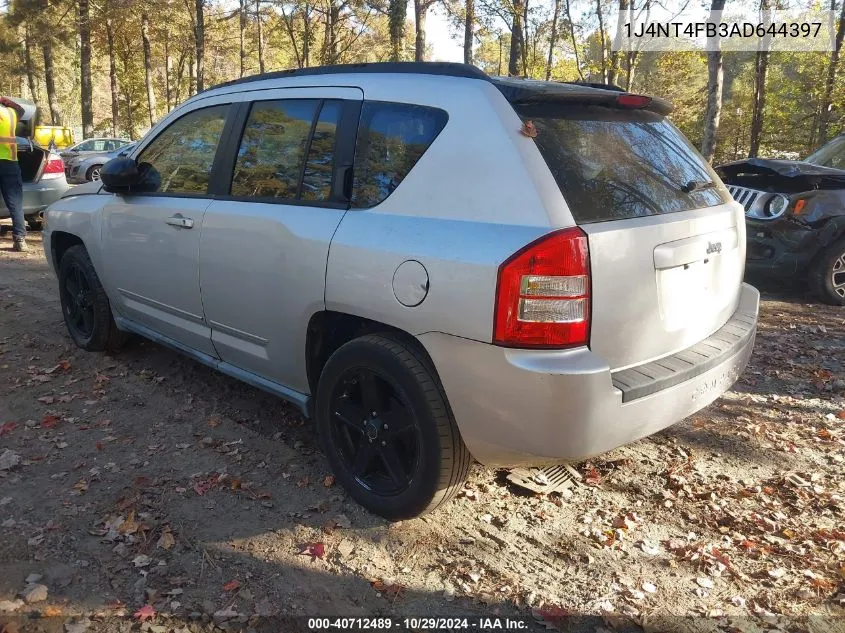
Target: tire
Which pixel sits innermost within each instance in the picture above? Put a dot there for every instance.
(93, 170)
(415, 404)
(827, 277)
(81, 294)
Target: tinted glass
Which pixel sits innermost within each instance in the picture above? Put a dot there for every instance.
(615, 164)
(180, 159)
(830, 155)
(272, 151)
(317, 179)
(86, 146)
(391, 139)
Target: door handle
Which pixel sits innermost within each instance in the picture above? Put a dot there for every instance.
(180, 221)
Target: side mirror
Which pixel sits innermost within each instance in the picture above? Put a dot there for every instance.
(119, 175)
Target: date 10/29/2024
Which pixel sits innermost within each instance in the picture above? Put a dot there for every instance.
(417, 624)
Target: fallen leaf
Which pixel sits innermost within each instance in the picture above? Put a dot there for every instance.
(392, 591)
(314, 550)
(147, 612)
(704, 582)
(141, 560)
(99, 445)
(51, 612)
(592, 478)
(8, 427)
(214, 421)
(166, 540)
(528, 129)
(49, 421)
(328, 481)
(234, 584)
(841, 415)
(649, 587)
(777, 573)
(47, 399)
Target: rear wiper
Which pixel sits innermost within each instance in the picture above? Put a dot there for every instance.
(697, 185)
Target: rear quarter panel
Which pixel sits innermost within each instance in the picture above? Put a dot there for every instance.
(480, 193)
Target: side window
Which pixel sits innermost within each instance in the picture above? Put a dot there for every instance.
(319, 168)
(85, 147)
(392, 137)
(179, 160)
(272, 152)
(99, 146)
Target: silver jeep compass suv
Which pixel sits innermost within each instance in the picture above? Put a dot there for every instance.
(433, 264)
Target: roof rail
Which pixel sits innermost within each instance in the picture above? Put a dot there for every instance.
(420, 68)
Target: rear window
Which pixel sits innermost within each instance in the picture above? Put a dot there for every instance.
(617, 164)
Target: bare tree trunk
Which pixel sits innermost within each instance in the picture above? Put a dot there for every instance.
(192, 75)
(115, 108)
(761, 69)
(552, 41)
(517, 43)
(630, 70)
(306, 36)
(260, 36)
(715, 77)
(31, 78)
(525, 38)
(49, 79)
(85, 69)
(396, 13)
(572, 35)
(199, 39)
(469, 21)
(148, 67)
(168, 71)
(242, 35)
(330, 40)
(130, 123)
(602, 40)
(420, 12)
(830, 80)
(613, 73)
(499, 68)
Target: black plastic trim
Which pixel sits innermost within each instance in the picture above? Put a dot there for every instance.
(648, 378)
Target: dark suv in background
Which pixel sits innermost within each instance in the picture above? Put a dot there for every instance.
(795, 217)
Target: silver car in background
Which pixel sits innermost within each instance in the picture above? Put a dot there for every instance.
(87, 167)
(43, 181)
(92, 146)
(433, 264)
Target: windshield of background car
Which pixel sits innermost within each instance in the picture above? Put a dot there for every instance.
(830, 155)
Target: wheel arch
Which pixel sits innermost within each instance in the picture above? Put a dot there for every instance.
(60, 242)
(328, 330)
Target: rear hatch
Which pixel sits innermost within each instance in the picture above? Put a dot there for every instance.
(31, 156)
(666, 241)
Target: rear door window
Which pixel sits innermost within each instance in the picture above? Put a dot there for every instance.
(287, 150)
(613, 164)
(392, 137)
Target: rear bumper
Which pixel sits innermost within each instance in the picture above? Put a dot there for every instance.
(521, 408)
(38, 196)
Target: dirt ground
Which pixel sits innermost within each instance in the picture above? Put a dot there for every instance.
(152, 493)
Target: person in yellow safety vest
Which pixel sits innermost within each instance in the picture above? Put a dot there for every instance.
(11, 183)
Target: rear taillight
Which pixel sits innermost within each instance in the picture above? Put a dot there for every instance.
(54, 166)
(543, 293)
